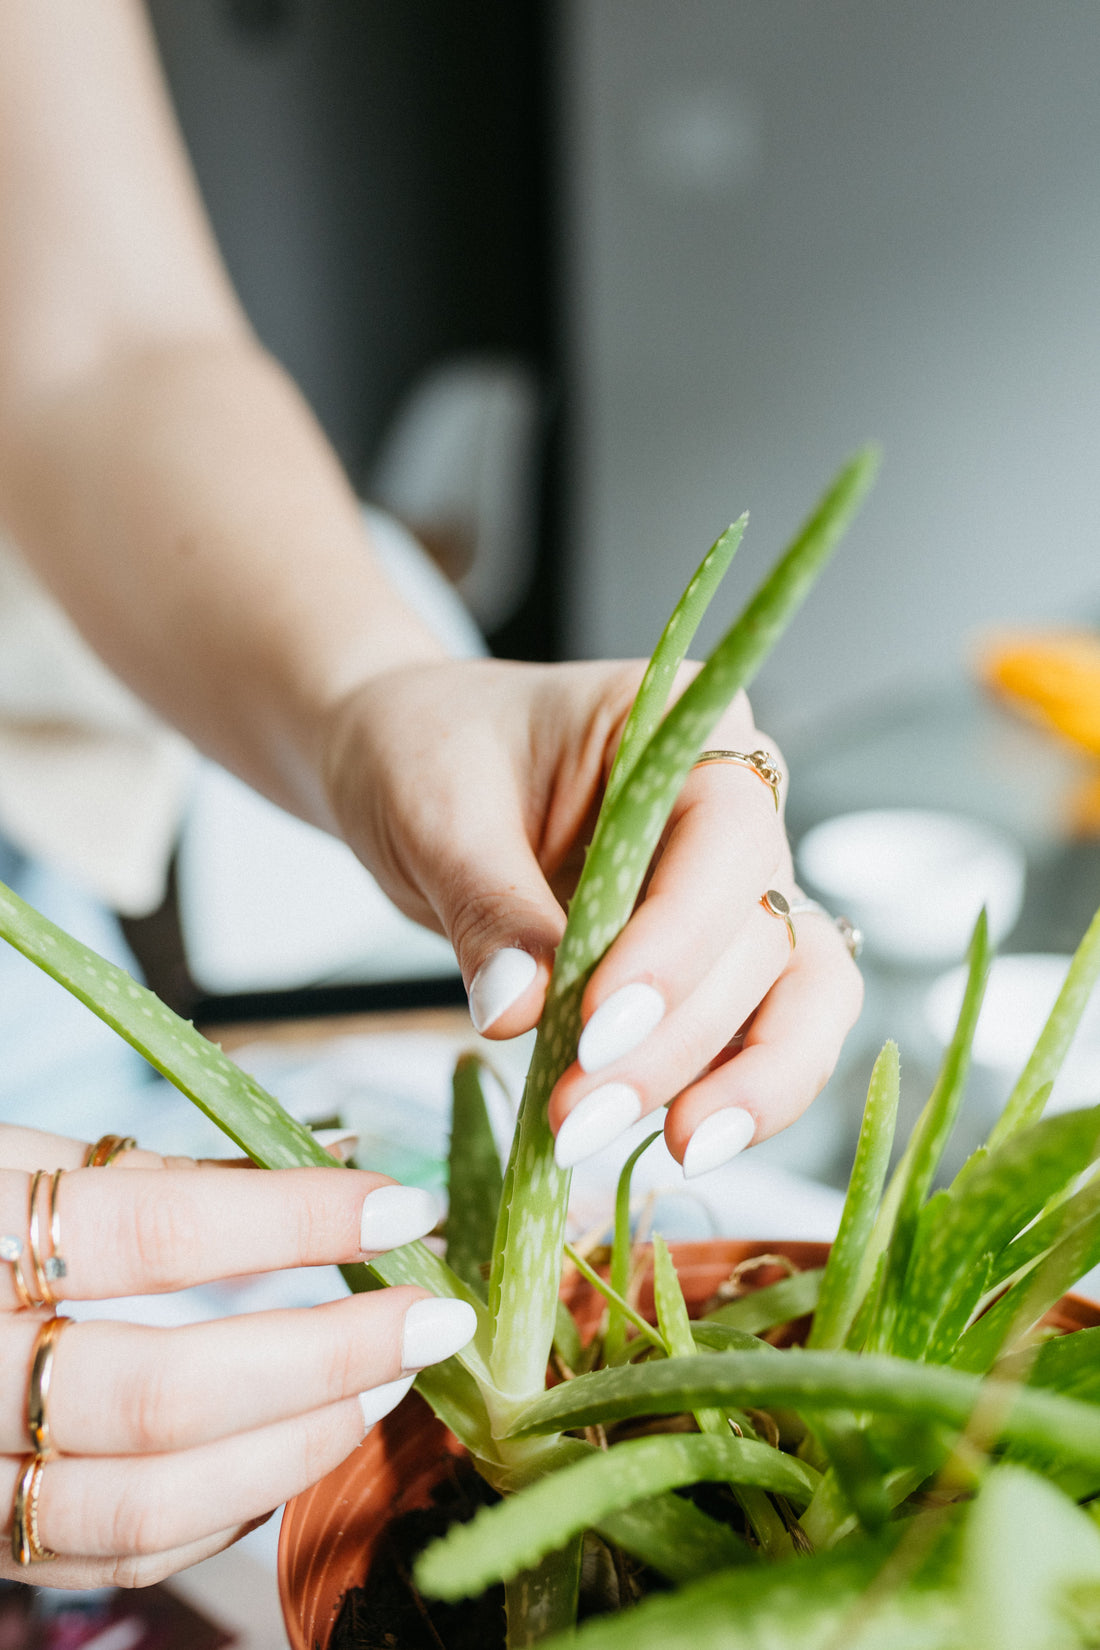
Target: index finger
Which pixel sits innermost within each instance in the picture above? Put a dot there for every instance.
(149, 1231)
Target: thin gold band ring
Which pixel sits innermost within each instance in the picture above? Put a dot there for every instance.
(107, 1148)
(762, 763)
(26, 1548)
(38, 1386)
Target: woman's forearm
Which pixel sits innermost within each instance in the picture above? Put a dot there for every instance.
(185, 508)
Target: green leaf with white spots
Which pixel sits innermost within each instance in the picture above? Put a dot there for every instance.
(615, 1335)
(828, 1601)
(1002, 1195)
(776, 1303)
(1045, 1233)
(840, 1295)
(509, 1537)
(809, 1381)
(674, 1538)
(675, 1325)
(474, 1178)
(670, 653)
(1019, 1309)
(523, 1286)
(1028, 1096)
(915, 1173)
(1066, 1363)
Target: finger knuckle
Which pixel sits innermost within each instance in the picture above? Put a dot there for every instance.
(140, 1523)
(129, 1571)
(156, 1413)
(162, 1234)
(324, 1443)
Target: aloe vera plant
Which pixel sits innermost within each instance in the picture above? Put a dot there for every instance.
(870, 1479)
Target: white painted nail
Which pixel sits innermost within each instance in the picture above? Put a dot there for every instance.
(394, 1215)
(498, 983)
(619, 1025)
(340, 1143)
(381, 1399)
(595, 1122)
(718, 1138)
(434, 1329)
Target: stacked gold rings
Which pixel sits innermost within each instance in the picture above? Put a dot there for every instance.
(26, 1545)
(47, 1266)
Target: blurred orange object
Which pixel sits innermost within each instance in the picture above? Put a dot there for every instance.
(1051, 677)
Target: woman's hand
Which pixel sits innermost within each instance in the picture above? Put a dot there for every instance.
(174, 1442)
(469, 790)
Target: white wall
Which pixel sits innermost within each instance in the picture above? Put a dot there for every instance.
(793, 224)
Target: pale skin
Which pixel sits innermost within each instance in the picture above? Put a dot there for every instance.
(168, 483)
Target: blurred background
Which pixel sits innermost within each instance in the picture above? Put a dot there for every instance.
(572, 283)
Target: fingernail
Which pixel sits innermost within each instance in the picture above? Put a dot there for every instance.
(498, 983)
(394, 1215)
(339, 1143)
(381, 1399)
(595, 1122)
(620, 1024)
(718, 1138)
(434, 1329)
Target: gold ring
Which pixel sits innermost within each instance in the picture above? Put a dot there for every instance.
(38, 1387)
(778, 905)
(26, 1548)
(762, 764)
(107, 1148)
(11, 1250)
(47, 1268)
(849, 933)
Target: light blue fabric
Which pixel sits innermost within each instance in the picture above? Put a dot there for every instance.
(60, 1068)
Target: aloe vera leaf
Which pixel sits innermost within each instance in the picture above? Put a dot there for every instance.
(231, 1098)
(838, 1300)
(926, 1147)
(523, 1287)
(670, 653)
(723, 1337)
(542, 1600)
(1021, 1306)
(856, 1338)
(590, 1275)
(675, 1326)
(823, 1602)
(810, 1381)
(1003, 1193)
(567, 1340)
(1050, 1229)
(674, 1538)
(1025, 1547)
(859, 1470)
(504, 1539)
(777, 1303)
(1027, 1098)
(1067, 1363)
(474, 1177)
(615, 1335)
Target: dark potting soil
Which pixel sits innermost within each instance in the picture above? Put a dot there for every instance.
(387, 1612)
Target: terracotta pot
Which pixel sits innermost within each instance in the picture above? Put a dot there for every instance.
(330, 1532)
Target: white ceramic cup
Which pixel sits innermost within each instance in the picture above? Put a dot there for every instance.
(914, 880)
